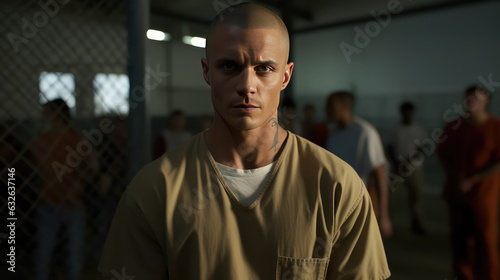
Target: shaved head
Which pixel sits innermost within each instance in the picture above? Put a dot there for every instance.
(246, 66)
(249, 16)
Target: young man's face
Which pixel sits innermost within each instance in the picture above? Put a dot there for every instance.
(246, 70)
(337, 109)
(477, 101)
(407, 115)
(178, 122)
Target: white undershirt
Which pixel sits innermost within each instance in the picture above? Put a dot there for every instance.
(246, 184)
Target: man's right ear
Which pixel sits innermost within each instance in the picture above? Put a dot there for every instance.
(204, 65)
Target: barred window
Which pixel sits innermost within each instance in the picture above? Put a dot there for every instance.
(58, 85)
(111, 94)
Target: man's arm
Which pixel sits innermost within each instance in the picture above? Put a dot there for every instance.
(467, 184)
(132, 249)
(376, 163)
(358, 251)
(380, 181)
(494, 169)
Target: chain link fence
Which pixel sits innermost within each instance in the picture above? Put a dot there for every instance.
(63, 133)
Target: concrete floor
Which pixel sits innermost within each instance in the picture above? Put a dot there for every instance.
(413, 257)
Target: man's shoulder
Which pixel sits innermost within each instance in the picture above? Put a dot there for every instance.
(334, 175)
(314, 157)
(364, 125)
(495, 120)
(153, 176)
(307, 149)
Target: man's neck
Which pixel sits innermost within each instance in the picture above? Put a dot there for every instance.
(58, 126)
(478, 118)
(245, 149)
(345, 121)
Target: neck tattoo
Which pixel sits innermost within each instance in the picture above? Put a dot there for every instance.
(274, 123)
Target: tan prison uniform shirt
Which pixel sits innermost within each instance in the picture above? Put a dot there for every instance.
(178, 219)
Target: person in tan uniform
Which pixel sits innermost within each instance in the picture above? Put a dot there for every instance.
(246, 199)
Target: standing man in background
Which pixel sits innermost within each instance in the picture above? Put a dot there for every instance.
(401, 149)
(172, 138)
(290, 121)
(309, 122)
(470, 155)
(61, 192)
(358, 143)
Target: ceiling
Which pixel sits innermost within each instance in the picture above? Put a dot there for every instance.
(306, 15)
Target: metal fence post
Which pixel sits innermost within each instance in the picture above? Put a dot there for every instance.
(138, 132)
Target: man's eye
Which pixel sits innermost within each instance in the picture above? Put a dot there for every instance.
(264, 68)
(228, 66)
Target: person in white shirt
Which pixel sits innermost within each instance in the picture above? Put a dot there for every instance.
(407, 159)
(358, 143)
(172, 138)
(289, 119)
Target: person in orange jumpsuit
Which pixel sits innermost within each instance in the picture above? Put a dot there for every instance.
(470, 153)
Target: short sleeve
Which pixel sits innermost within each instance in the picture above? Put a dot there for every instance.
(131, 249)
(375, 150)
(358, 252)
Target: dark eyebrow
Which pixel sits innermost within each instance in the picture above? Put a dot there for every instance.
(257, 62)
(224, 60)
(267, 62)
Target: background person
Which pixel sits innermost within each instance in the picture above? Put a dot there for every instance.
(358, 143)
(309, 122)
(470, 155)
(400, 149)
(173, 137)
(61, 191)
(290, 121)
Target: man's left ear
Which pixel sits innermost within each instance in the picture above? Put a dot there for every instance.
(287, 76)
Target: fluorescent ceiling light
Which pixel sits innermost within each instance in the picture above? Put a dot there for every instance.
(157, 35)
(194, 41)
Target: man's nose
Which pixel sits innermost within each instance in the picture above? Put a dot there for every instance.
(247, 82)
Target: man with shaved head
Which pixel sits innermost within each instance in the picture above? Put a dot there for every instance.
(246, 199)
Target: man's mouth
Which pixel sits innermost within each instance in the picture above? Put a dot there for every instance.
(246, 108)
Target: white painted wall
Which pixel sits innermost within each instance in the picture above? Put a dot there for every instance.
(428, 58)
